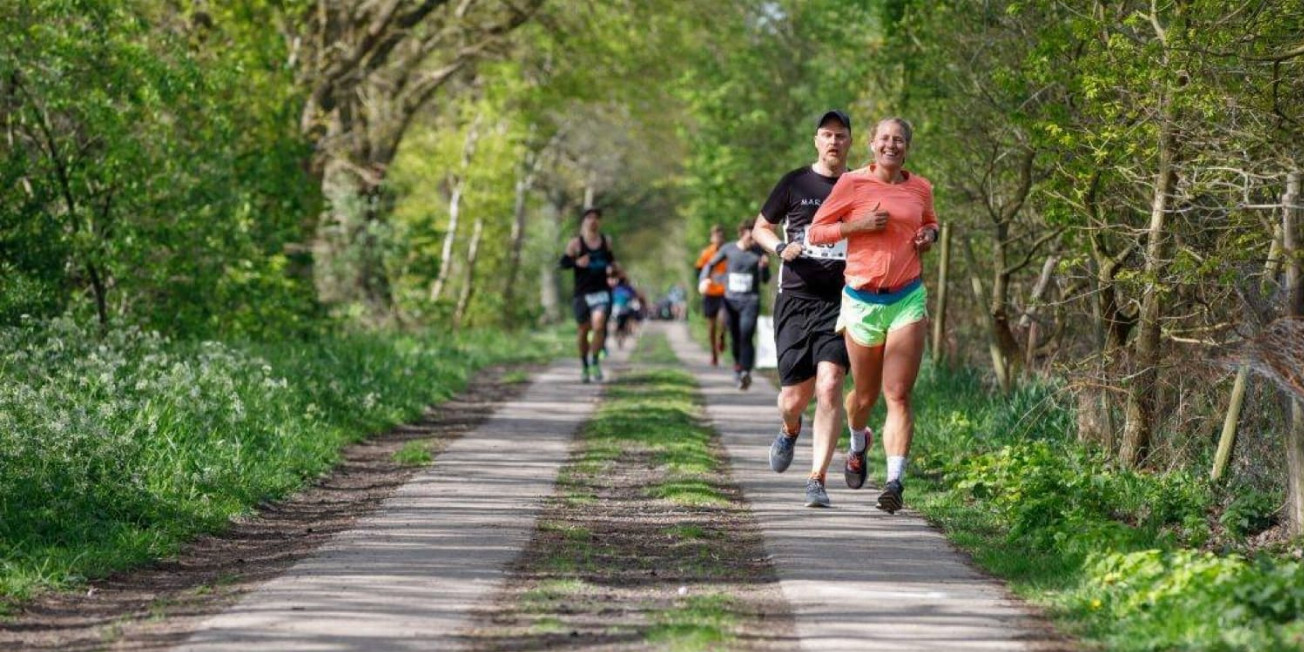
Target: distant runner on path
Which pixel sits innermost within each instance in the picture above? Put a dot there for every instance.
(748, 267)
(812, 357)
(886, 216)
(590, 255)
(713, 295)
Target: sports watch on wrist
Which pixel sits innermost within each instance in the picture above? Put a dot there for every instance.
(779, 247)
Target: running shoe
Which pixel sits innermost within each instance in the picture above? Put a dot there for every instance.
(745, 381)
(781, 452)
(584, 376)
(597, 374)
(890, 500)
(815, 494)
(856, 470)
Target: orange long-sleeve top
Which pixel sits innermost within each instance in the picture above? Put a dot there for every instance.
(713, 289)
(877, 259)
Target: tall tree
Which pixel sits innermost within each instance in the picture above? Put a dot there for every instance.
(368, 69)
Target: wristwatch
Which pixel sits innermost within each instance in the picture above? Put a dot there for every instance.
(779, 247)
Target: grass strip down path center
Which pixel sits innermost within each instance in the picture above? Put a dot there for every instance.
(647, 543)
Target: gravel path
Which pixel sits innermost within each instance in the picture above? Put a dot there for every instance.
(409, 576)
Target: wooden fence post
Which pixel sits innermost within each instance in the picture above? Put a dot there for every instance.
(943, 275)
(1227, 441)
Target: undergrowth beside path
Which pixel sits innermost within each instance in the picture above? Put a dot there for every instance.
(1123, 559)
(115, 450)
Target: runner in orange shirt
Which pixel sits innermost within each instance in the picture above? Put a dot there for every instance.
(886, 215)
(713, 297)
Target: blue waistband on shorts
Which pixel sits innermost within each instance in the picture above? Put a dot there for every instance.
(870, 296)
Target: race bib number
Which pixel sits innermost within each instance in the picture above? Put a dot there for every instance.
(740, 283)
(835, 251)
(597, 299)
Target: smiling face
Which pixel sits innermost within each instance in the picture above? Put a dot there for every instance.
(833, 143)
(891, 143)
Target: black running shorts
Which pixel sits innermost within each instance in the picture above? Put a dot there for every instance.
(711, 305)
(804, 337)
(585, 305)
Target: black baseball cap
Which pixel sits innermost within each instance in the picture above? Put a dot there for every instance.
(836, 115)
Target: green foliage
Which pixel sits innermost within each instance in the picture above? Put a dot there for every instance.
(1184, 599)
(114, 450)
(1249, 511)
(1118, 554)
(754, 92)
(146, 173)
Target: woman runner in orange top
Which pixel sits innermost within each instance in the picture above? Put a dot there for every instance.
(886, 215)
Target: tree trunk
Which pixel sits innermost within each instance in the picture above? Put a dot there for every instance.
(468, 281)
(1141, 390)
(348, 265)
(549, 283)
(450, 236)
(1291, 241)
(524, 183)
(1029, 319)
(998, 309)
(456, 185)
(999, 361)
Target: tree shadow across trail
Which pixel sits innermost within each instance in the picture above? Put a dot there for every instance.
(159, 606)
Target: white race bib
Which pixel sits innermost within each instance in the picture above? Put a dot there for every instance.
(595, 299)
(835, 251)
(740, 283)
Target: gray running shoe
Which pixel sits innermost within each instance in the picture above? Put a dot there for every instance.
(856, 469)
(781, 452)
(815, 494)
(745, 381)
(890, 500)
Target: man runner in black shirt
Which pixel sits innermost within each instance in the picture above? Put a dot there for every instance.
(590, 255)
(812, 357)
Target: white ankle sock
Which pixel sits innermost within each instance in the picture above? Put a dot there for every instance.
(857, 439)
(896, 467)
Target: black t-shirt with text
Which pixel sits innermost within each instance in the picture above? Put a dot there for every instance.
(817, 273)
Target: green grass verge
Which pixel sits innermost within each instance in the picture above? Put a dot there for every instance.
(698, 622)
(414, 453)
(1119, 558)
(115, 450)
